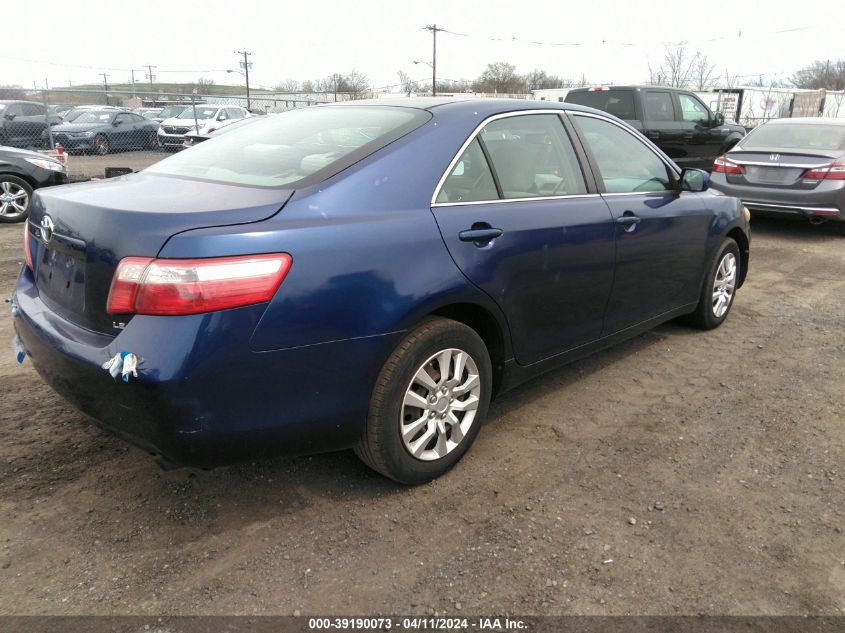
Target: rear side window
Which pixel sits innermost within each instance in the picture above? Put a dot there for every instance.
(619, 103)
(658, 106)
(294, 149)
(32, 109)
(533, 157)
(470, 179)
(626, 164)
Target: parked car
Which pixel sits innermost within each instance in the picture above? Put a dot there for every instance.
(789, 166)
(200, 120)
(364, 275)
(675, 120)
(193, 138)
(22, 123)
(71, 115)
(101, 131)
(21, 172)
(151, 113)
(168, 112)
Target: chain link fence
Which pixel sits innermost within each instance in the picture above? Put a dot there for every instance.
(98, 133)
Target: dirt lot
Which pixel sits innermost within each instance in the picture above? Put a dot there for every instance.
(682, 472)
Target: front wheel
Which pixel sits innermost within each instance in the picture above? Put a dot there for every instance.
(15, 195)
(428, 403)
(719, 288)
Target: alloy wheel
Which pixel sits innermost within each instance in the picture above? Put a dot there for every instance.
(440, 404)
(724, 285)
(14, 199)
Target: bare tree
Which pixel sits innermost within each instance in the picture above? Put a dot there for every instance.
(407, 84)
(288, 85)
(677, 67)
(540, 80)
(204, 85)
(702, 72)
(308, 86)
(358, 84)
(827, 74)
(728, 80)
(499, 77)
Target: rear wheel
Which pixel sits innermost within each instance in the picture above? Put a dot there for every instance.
(719, 289)
(428, 404)
(15, 195)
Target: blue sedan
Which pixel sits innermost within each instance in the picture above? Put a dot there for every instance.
(364, 275)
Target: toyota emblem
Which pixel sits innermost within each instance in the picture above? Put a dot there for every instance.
(47, 228)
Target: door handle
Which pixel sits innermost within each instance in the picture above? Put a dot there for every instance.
(479, 235)
(628, 220)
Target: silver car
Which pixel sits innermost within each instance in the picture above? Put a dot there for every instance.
(788, 166)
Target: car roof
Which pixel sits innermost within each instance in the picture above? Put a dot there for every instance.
(11, 101)
(807, 120)
(630, 87)
(459, 105)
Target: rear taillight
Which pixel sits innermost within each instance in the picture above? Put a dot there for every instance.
(834, 172)
(724, 165)
(27, 249)
(143, 285)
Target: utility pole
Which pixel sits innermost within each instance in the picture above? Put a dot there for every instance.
(106, 86)
(132, 70)
(433, 28)
(245, 64)
(150, 75)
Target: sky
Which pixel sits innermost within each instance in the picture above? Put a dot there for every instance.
(63, 42)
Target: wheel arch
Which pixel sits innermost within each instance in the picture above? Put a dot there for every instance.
(491, 330)
(25, 177)
(739, 236)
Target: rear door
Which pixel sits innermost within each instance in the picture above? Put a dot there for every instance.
(661, 124)
(661, 232)
(524, 223)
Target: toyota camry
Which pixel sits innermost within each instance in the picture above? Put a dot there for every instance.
(364, 275)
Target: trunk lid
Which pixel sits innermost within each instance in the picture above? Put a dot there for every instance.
(778, 167)
(92, 226)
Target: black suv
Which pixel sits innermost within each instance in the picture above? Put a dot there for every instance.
(22, 122)
(676, 120)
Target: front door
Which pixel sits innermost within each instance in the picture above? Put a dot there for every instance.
(704, 139)
(518, 219)
(661, 231)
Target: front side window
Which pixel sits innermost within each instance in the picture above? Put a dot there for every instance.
(470, 179)
(295, 148)
(626, 164)
(32, 109)
(692, 110)
(658, 106)
(94, 116)
(533, 157)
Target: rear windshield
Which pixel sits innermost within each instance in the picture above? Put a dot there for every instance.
(296, 148)
(796, 135)
(619, 103)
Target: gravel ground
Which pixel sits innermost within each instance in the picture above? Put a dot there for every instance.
(680, 473)
(83, 167)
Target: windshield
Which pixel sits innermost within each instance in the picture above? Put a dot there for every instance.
(299, 147)
(796, 135)
(94, 116)
(202, 113)
(150, 114)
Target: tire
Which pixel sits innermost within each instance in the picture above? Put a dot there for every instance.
(414, 366)
(152, 141)
(100, 145)
(15, 198)
(723, 275)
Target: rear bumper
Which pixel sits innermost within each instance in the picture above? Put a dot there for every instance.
(826, 202)
(202, 397)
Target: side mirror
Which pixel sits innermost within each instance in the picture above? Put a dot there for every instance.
(10, 116)
(718, 119)
(694, 180)
(116, 122)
